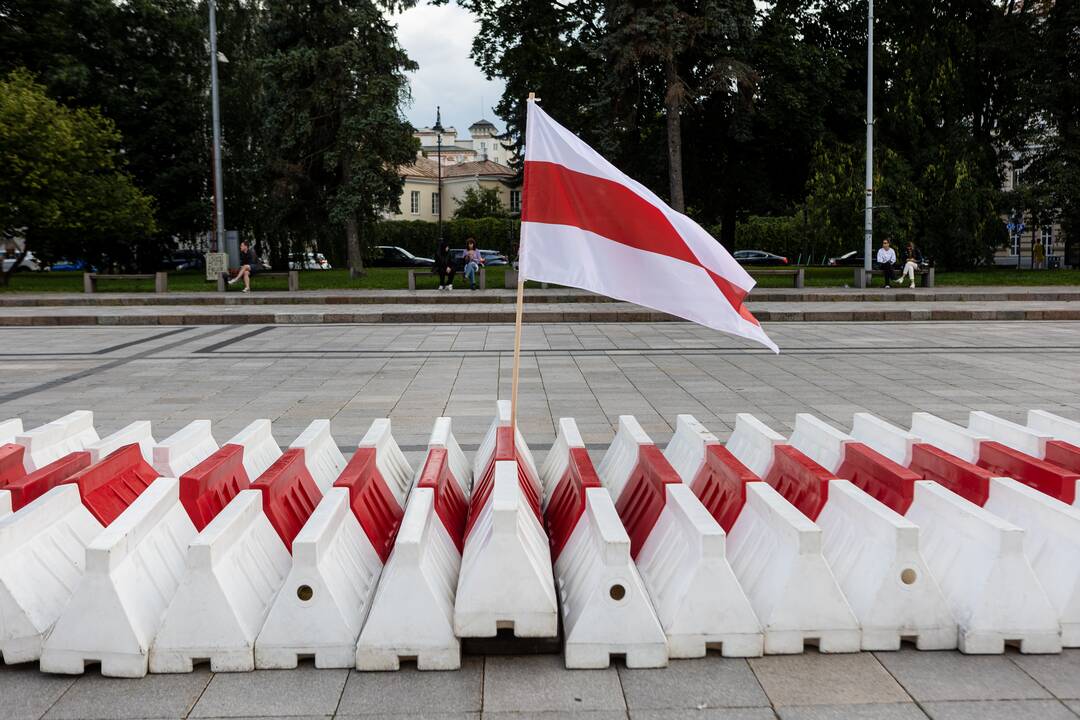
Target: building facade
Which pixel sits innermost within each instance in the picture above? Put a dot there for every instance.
(421, 199)
(1021, 243)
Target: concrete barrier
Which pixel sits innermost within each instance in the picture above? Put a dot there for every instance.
(324, 460)
(978, 560)
(260, 448)
(820, 441)
(184, 449)
(54, 440)
(1021, 453)
(506, 576)
(883, 437)
(234, 568)
(754, 444)
(776, 553)
(1019, 438)
(712, 472)
(483, 461)
(133, 569)
(1064, 449)
(412, 614)
(606, 609)
(9, 429)
(30, 487)
(338, 557)
(137, 433)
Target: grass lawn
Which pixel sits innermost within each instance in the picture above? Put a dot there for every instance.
(397, 278)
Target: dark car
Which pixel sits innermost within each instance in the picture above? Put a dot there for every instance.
(491, 258)
(185, 260)
(394, 256)
(758, 257)
(848, 259)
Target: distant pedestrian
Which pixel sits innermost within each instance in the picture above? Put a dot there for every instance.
(886, 259)
(444, 266)
(912, 260)
(249, 265)
(1038, 255)
(473, 261)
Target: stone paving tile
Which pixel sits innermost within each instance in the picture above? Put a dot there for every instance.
(432, 715)
(412, 691)
(303, 691)
(26, 694)
(557, 715)
(94, 697)
(1074, 706)
(884, 711)
(709, 682)
(816, 679)
(999, 710)
(1060, 674)
(540, 682)
(932, 676)
(706, 714)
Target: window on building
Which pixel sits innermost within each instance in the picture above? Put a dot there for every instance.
(414, 202)
(434, 203)
(1048, 238)
(515, 201)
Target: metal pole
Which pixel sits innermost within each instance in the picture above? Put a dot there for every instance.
(868, 245)
(219, 193)
(438, 156)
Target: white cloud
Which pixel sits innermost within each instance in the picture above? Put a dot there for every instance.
(439, 40)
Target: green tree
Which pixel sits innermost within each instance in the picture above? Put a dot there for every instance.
(63, 186)
(480, 203)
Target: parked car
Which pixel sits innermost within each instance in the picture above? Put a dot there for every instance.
(758, 257)
(71, 266)
(308, 261)
(185, 260)
(394, 256)
(28, 263)
(494, 257)
(848, 259)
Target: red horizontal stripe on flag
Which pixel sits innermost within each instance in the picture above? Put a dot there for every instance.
(557, 195)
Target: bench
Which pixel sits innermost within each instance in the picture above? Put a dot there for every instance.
(292, 275)
(413, 272)
(798, 274)
(161, 280)
(863, 278)
(510, 279)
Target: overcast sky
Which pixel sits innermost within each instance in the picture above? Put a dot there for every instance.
(439, 39)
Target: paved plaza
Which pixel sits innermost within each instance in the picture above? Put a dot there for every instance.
(414, 373)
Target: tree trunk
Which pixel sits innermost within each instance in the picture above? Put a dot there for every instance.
(352, 241)
(672, 105)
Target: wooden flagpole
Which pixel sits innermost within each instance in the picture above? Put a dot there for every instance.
(517, 324)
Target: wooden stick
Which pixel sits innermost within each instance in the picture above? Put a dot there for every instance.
(517, 329)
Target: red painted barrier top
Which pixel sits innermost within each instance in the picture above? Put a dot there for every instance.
(888, 482)
(970, 482)
(1063, 454)
(11, 464)
(450, 503)
(1043, 476)
(30, 487)
(289, 494)
(208, 487)
(567, 503)
(720, 485)
(644, 495)
(109, 486)
(505, 449)
(803, 482)
(372, 503)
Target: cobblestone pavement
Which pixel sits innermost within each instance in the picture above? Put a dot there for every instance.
(593, 372)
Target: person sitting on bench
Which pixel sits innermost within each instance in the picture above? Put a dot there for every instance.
(886, 259)
(249, 265)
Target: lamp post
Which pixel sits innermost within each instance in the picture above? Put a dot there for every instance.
(438, 156)
(868, 244)
(219, 194)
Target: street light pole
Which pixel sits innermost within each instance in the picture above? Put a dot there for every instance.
(219, 193)
(438, 155)
(868, 244)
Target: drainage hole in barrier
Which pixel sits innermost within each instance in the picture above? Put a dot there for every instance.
(617, 592)
(907, 576)
(304, 592)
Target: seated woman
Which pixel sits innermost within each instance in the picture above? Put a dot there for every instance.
(473, 261)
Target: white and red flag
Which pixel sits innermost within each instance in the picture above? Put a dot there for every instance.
(585, 224)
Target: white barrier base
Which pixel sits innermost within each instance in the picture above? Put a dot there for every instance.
(412, 614)
(506, 578)
(42, 556)
(874, 555)
(1051, 544)
(693, 588)
(327, 594)
(234, 568)
(132, 571)
(979, 563)
(776, 553)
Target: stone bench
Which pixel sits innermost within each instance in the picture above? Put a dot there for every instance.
(292, 275)
(481, 276)
(863, 278)
(161, 280)
(510, 279)
(798, 275)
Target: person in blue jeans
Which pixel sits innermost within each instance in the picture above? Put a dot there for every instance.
(473, 261)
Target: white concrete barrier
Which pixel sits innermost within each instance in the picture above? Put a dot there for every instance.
(133, 569)
(482, 461)
(686, 449)
(1060, 428)
(458, 465)
(557, 463)
(776, 553)
(819, 441)
(978, 560)
(892, 442)
(338, 557)
(9, 429)
(1051, 544)
(322, 456)
(184, 449)
(260, 448)
(54, 440)
(506, 576)
(874, 555)
(1019, 438)
(234, 569)
(947, 436)
(754, 444)
(137, 433)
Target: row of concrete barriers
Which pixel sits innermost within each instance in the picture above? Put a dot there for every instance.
(156, 556)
